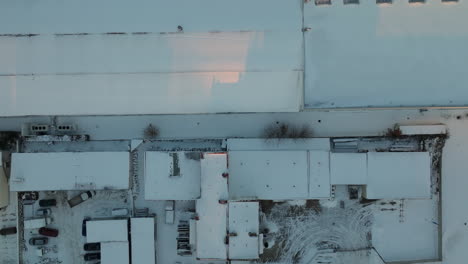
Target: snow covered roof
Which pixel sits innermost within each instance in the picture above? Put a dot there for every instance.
(172, 176)
(244, 220)
(107, 231)
(348, 168)
(423, 129)
(70, 171)
(273, 175)
(398, 175)
(142, 236)
(212, 225)
(115, 253)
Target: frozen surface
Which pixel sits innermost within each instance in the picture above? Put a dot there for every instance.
(398, 175)
(107, 231)
(268, 175)
(244, 219)
(115, 253)
(162, 184)
(393, 55)
(70, 171)
(348, 168)
(408, 233)
(212, 225)
(143, 240)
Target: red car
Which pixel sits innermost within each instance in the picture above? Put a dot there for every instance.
(50, 232)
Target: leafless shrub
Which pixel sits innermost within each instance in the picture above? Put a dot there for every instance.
(280, 130)
(151, 132)
(394, 132)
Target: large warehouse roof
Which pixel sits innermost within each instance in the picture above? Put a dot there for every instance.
(70, 171)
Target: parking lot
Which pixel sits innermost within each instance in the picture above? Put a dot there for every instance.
(67, 247)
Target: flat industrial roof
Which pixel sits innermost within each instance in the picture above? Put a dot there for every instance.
(172, 175)
(212, 225)
(115, 253)
(274, 175)
(107, 231)
(143, 240)
(70, 171)
(348, 168)
(398, 175)
(244, 219)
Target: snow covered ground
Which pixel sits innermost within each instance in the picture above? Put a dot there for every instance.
(9, 244)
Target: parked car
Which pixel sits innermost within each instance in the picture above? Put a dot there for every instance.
(43, 212)
(29, 197)
(47, 202)
(83, 226)
(81, 198)
(38, 241)
(92, 256)
(50, 232)
(92, 246)
(8, 231)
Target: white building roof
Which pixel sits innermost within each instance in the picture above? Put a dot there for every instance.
(115, 253)
(107, 231)
(319, 174)
(244, 219)
(398, 175)
(274, 175)
(212, 225)
(171, 176)
(348, 168)
(423, 129)
(142, 235)
(70, 171)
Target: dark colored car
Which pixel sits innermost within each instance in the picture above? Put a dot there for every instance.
(83, 226)
(29, 197)
(8, 231)
(38, 241)
(92, 246)
(92, 256)
(47, 203)
(50, 232)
